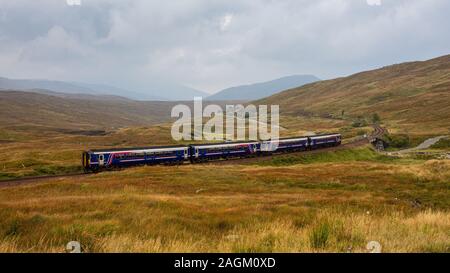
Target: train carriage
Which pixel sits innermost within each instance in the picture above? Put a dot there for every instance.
(205, 152)
(285, 145)
(321, 141)
(94, 160)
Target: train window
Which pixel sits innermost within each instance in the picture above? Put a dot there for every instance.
(101, 157)
(162, 153)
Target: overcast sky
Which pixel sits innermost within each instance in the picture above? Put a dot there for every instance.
(210, 45)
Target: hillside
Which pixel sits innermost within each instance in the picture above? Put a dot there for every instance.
(264, 89)
(54, 110)
(34, 109)
(410, 97)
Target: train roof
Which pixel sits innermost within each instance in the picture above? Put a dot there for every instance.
(136, 148)
(324, 135)
(224, 143)
(300, 137)
(287, 138)
(197, 145)
(249, 142)
(331, 134)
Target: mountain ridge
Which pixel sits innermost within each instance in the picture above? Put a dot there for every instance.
(262, 89)
(171, 92)
(410, 97)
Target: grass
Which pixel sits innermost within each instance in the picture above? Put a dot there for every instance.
(360, 154)
(326, 202)
(31, 150)
(403, 141)
(443, 144)
(34, 151)
(319, 235)
(315, 207)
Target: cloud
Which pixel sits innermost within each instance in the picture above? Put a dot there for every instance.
(226, 21)
(374, 2)
(55, 47)
(214, 44)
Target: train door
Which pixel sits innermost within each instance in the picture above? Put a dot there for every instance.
(186, 153)
(309, 143)
(101, 160)
(196, 153)
(264, 147)
(254, 148)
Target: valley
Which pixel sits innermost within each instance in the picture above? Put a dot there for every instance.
(329, 201)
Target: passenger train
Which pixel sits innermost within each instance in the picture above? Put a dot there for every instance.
(97, 160)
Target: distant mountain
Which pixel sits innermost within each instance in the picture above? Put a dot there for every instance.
(155, 92)
(264, 89)
(42, 84)
(69, 88)
(102, 89)
(81, 96)
(174, 92)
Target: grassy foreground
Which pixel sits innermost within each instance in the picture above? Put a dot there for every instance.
(317, 203)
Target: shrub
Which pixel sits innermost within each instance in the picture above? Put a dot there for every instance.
(376, 118)
(359, 122)
(442, 144)
(398, 141)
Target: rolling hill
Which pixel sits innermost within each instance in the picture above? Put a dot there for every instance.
(19, 108)
(410, 97)
(54, 110)
(264, 89)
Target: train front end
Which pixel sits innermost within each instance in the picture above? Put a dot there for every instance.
(85, 158)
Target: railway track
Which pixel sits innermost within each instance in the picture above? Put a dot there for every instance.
(33, 179)
(378, 132)
(241, 161)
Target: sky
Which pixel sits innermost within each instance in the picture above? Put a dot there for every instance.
(212, 45)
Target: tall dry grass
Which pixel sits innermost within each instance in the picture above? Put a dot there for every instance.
(427, 231)
(312, 206)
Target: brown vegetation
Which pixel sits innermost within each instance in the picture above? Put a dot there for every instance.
(310, 204)
(409, 97)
